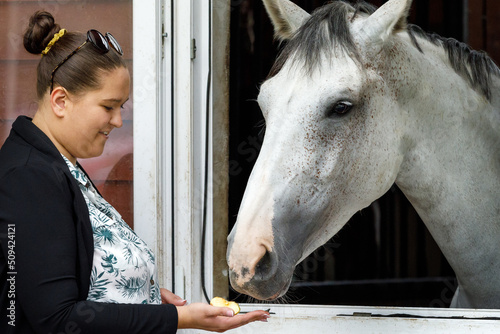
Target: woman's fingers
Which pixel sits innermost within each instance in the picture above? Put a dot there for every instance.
(223, 312)
(168, 297)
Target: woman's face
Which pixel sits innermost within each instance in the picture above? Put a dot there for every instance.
(90, 118)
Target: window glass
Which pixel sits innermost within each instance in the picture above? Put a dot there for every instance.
(111, 172)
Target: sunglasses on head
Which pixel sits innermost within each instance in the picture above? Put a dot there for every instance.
(100, 42)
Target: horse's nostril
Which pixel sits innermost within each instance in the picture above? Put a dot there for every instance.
(264, 266)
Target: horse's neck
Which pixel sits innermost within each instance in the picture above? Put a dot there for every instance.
(451, 172)
(452, 175)
(451, 141)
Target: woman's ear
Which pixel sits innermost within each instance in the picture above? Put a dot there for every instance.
(59, 101)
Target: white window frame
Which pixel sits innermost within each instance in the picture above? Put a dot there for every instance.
(151, 135)
(169, 187)
(169, 139)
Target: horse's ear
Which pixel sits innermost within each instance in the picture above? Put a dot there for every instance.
(286, 16)
(389, 18)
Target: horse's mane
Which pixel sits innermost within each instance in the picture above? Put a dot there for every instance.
(329, 24)
(475, 66)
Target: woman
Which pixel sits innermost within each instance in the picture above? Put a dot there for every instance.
(69, 264)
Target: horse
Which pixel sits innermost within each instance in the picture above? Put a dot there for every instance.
(358, 100)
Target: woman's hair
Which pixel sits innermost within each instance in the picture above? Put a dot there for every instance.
(81, 73)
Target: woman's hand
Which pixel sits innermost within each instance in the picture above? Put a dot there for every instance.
(168, 297)
(212, 318)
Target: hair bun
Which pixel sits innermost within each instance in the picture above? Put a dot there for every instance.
(41, 30)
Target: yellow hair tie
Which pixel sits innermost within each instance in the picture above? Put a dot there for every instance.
(53, 41)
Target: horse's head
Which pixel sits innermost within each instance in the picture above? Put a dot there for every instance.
(332, 145)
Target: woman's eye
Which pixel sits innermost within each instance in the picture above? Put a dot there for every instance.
(340, 108)
(108, 108)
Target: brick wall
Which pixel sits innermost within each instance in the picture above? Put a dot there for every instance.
(112, 172)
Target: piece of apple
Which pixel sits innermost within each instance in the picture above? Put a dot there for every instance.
(234, 306)
(221, 302)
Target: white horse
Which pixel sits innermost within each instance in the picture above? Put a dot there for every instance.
(359, 100)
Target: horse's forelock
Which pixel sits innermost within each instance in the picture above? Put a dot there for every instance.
(327, 26)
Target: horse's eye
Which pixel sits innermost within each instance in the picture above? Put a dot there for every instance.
(340, 108)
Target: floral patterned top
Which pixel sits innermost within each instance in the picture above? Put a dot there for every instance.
(124, 269)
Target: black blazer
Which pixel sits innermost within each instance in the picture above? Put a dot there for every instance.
(47, 248)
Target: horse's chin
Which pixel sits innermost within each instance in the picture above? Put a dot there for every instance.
(268, 290)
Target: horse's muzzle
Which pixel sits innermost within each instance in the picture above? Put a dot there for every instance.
(264, 280)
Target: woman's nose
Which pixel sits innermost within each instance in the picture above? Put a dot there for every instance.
(116, 119)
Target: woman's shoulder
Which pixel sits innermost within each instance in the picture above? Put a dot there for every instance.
(22, 164)
(16, 156)
(27, 147)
